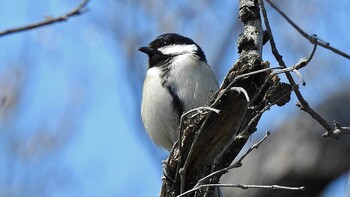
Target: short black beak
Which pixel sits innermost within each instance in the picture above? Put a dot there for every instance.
(148, 50)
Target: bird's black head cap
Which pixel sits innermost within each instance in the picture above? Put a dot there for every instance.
(157, 58)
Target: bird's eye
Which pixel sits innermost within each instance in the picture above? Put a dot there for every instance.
(165, 42)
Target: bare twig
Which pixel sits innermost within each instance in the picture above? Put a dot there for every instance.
(312, 38)
(257, 72)
(303, 105)
(241, 90)
(267, 107)
(222, 92)
(310, 57)
(49, 20)
(339, 130)
(244, 187)
(301, 63)
(236, 164)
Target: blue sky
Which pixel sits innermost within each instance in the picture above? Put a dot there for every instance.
(76, 85)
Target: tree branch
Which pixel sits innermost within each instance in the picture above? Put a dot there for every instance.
(243, 187)
(338, 130)
(209, 141)
(312, 38)
(303, 105)
(49, 20)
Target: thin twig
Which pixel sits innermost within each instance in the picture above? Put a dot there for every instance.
(241, 90)
(257, 72)
(50, 20)
(294, 68)
(236, 164)
(228, 87)
(312, 38)
(310, 57)
(301, 63)
(267, 107)
(303, 104)
(338, 130)
(302, 188)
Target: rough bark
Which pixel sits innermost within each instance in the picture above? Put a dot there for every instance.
(211, 141)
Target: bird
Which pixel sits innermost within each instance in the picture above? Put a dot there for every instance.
(178, 79)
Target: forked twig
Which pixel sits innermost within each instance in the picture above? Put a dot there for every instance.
(312, 38)
(303, 103)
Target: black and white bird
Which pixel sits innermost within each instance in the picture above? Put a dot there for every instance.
(178, 79)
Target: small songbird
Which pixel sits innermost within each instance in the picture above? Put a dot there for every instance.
(178, 79)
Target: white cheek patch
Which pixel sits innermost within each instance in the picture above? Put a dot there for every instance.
(178, 49)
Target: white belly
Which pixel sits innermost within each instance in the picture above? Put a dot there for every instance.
(158, 116)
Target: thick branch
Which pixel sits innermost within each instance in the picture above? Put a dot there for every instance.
(211, 141)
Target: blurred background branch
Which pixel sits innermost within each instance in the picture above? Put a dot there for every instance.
(49, 20)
